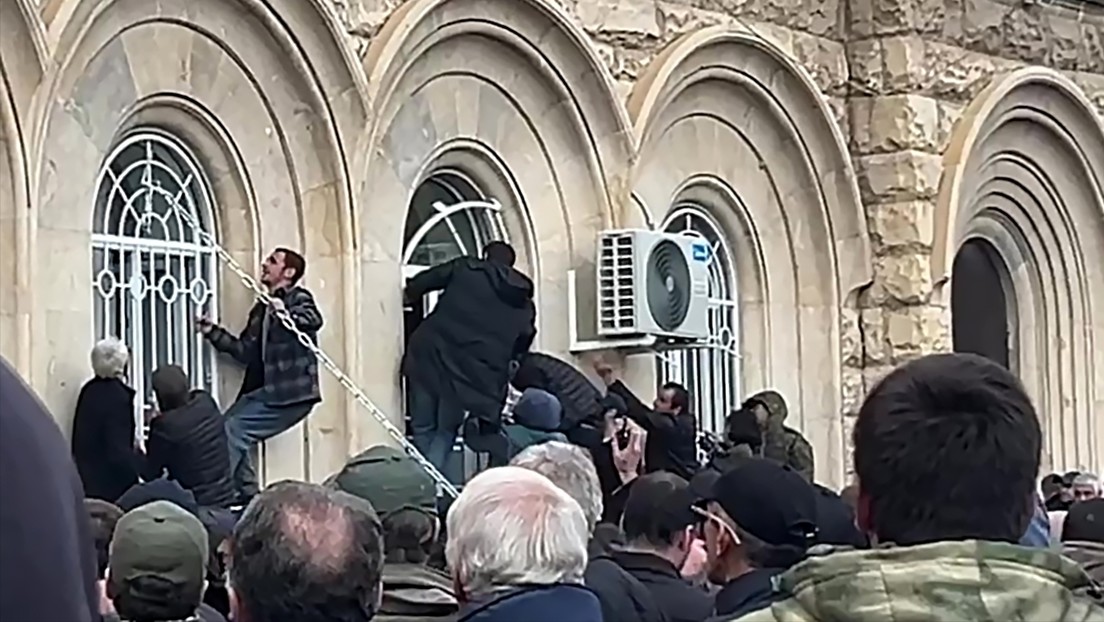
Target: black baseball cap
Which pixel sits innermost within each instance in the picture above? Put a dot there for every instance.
(1085, 522)
(769, 501)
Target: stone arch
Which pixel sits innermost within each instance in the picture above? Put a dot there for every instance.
(511, 92)
(1025, 172)
(269, 113)
(22, 53)
(726, 106)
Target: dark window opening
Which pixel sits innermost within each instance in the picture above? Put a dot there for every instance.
(979, 303)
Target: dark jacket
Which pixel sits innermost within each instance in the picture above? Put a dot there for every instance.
(679, 600)
(835, 521)
(781, 443)
(672, 443)
(290, 369)
(47, 558)
(190, 443)
(205, 613)
(750, 592)
(580, 398)
(103, 438)
(539, 603)
(484, 318)
(413, 592)
(623, 598)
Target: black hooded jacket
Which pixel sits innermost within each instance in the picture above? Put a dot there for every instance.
(484, 319)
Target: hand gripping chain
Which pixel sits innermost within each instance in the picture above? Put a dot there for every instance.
(285, 319)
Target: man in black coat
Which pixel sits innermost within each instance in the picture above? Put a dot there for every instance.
(458, 358)
(280, 387)
(47, 555)
(188, 439)
(672, 443)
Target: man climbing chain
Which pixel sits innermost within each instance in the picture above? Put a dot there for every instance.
(280, 387)
(281, 314)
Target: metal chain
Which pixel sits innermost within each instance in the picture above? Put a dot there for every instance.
(443, 483)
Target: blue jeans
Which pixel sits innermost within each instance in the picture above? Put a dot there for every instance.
(434, 424)
(250, 421)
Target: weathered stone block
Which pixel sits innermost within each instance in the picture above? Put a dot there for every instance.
(851, 345)
(899, 176)
(887, 17)
(949, 113)
(914, 330)
(621, 17)
(904, 224)
(852, 391)
(894, 123)
(676, 19)
(864, 59)
(902, 279)
(824, 59)
(874, 338)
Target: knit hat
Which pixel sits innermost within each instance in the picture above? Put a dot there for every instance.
(157, 540)
(538, 410)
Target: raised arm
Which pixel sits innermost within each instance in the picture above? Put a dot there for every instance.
(432, 280)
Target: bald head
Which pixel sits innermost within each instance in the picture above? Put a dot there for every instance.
(512, 526)
(307, 553)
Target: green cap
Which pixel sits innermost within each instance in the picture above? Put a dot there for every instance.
(388, 479)
(159, 539)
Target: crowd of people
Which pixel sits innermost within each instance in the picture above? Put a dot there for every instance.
(596, 506)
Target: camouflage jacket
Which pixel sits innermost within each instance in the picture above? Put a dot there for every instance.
(971, 580)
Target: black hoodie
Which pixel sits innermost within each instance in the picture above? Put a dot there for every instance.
(484, 318)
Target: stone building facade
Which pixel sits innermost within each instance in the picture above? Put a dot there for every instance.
(839, 156)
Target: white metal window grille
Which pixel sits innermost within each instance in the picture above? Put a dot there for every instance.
(152, 274)
(711, 374)
(450, 217)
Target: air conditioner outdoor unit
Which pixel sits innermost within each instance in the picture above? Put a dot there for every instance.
(653, 283)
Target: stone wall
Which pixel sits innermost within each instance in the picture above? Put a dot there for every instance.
(897, 74)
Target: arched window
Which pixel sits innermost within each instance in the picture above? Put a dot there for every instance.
(711, 374)
(152, 273)
(449, 217)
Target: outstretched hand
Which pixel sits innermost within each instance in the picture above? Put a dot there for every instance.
(204, 324)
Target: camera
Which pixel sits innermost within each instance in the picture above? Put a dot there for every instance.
(623, 433)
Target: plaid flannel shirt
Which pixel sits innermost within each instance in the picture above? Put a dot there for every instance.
(290, 369)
